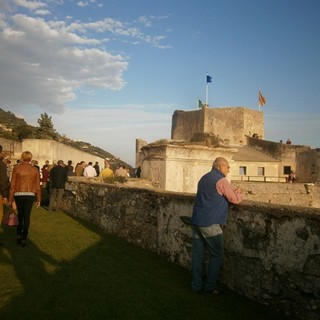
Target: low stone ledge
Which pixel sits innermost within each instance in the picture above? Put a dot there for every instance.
(272, 252)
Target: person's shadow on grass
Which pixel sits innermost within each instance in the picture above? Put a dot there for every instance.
(25, 270)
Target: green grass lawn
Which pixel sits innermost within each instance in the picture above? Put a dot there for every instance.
(72, 270)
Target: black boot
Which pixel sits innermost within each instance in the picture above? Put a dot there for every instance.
(19, 239)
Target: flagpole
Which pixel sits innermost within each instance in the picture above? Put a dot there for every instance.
(261, 99)
(207, 105)
(208, 79)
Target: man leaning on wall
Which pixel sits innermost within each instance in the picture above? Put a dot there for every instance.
(210, 211)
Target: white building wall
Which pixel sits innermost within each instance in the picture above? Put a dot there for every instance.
(53, 151)
(271, 171)
(178, 168)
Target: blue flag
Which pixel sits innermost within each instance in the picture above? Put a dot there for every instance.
(209, 78)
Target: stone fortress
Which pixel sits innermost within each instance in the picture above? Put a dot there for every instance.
(232, 124)
(236, 133)
(259, 166)
(240, 132)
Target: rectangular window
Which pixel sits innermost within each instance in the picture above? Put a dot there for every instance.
(242, 171)
(286, 169)
(260, 171)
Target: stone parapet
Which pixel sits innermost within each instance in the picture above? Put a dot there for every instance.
(293, 194)
(272, 252)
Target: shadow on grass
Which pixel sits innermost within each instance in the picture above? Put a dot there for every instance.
(72, 270)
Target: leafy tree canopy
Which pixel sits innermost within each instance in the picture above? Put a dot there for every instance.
(46, 129)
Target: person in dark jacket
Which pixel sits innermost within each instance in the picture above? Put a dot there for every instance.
(58, 179)
(4, 186)
(69, 168)
(210, 211)
(97, 167)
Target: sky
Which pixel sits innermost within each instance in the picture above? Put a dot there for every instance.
(109, 71)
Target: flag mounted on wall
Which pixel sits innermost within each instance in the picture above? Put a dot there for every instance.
(262, 99)
(209, 79)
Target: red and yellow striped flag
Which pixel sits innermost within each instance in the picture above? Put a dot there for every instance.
(262, 99)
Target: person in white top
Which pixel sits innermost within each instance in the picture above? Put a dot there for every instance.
(89, 171)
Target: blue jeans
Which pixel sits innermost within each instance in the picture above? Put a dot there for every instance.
(214, 245)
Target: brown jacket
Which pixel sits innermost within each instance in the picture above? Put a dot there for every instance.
(25, 178)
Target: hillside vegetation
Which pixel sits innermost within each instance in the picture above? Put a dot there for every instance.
(14, 128)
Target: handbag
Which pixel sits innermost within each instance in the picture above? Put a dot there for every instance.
(13, 220)
(6, 215)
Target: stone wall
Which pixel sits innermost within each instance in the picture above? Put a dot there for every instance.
(178, 168)
(10, 147)
(302, 159)
(272, 253)
(231, 124)
(51, 150)
(293, 194)
(308, 164)
(186, 123)
(43, 150)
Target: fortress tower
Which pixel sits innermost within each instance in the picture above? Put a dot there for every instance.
(231, 124)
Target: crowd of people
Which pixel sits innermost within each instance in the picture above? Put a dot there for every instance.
(25, 182)
(81, 169)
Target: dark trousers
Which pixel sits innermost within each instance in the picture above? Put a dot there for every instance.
(24, 206)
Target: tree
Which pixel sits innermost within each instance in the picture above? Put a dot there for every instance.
(46, 129)
(25, 132)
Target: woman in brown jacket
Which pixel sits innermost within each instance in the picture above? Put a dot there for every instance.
(24, 190)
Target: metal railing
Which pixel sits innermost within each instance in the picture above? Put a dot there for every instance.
(259, 178)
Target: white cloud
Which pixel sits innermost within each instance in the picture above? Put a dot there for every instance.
(83, 3)
(146, 21)
(31, 5)
(42, 12)
(47, 63)
(127, 32)
(44, 62)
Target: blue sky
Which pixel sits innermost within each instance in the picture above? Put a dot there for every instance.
(108, 72)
